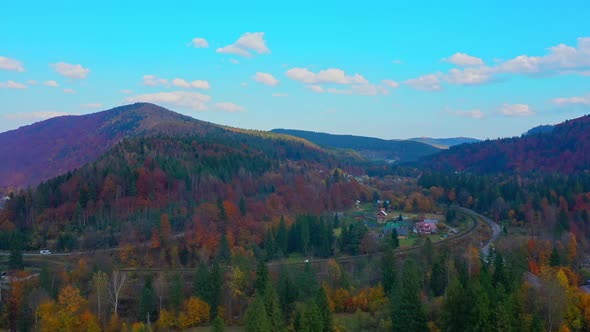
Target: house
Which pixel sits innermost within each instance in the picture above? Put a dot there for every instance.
(402, 229)
(425, 228)
(432, 221)
(382, 216)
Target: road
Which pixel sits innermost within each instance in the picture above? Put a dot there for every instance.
(496, 229)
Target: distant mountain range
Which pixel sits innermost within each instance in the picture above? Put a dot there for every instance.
(444, 143)
(562, 148)
(369, 147)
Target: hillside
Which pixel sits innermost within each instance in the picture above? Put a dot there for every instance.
(368, 147)
(444, 143)
(563, 149)
(48, 148)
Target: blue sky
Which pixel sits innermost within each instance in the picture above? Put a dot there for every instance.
(375, 68)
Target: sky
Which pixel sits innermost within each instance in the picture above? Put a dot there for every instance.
(388, 69)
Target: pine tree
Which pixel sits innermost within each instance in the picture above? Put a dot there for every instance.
(148, 302)
(243, 206)
(287, 292)
(324, 309)
(554, 259)
(408, 313)
(224, 252)
(394, 239)
(262, 278)
(176, 292)
(388, 272)
(310, 318)
(256, 318)
(438, 276)
(281, 239)
(273, 308)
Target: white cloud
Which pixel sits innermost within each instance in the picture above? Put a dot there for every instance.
(516, 110)
(560, 58)
(12, 85)
(229, 107)
(187, 99)
(70, 70)
(391, 84)
(91, 105)
(33, 116)
(179, 82)
(315, 88)
(430, 82)
(126, 91)
(470, 75)
(474, 114)
(464, 60)
(280, 95)
(247, 43)
(266, 79)
(199, 84)
(11, 64)
(152, 80)
(330, 75)
(199, 43)
(68, 90)
(581, 100)
(51, 83)
(362, 90)
(32, 82)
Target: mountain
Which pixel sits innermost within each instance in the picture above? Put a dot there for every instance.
(368, 147)
(539, 130)
(564, 149)
(444, 143)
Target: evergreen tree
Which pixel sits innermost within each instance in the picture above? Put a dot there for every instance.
(269, 245)
(438, 276)
(457, 308)
(394, 239)
(554, 259)
(148, 302)
(324, 309)
(224, 252)
(281, 239)
(15, 260)
(499, 276)
(428, 251)
(262, 278)
(243, 206)
(388, 272)
(176, 292)
(408, 313)
(287, 292)
(273, 308)
(310, 318)
(256, 318)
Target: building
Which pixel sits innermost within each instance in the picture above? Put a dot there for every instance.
(425, 228)
(382, 216)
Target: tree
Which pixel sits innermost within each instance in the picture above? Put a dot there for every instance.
(116, 284)
(15, 260)
(100, 283)
(262, 278)
(554, 259)
(256, 318)
(309, 318)
(147, 302)
(323, 305)
(394, 239)
(388, 272)
(438, 276)
(243, 209)
(281, 239)
(457, 308)
(195, 311)
(176, 292)
(160, 287)
(217, 325)
(287, 292)
(224, 252)
(408, 313)
(273, 307)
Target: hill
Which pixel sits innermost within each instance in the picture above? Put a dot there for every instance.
(564, 149)
(368, 147)
(539, 130)
(48, 148)
(444, 143)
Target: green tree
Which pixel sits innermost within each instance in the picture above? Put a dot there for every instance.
(324, 310)
(281, 239)
(408, 313)
(456, 309)
(256, 318)
(176, 292)
(15, 260)
(554, 259)
(262, 278)
(287, 292)
(224, 252)
(438, 276)
(273, 308)
(148, 302)
(394, 239)
(217, 325)
(243, 206)
(388, 272)
(310, 318)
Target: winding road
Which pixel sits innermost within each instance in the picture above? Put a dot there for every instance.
(496, 229)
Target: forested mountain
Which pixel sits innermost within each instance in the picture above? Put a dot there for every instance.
(563, 149)
(368, 147)
(444, 143)
(52, 147)
(251, 177)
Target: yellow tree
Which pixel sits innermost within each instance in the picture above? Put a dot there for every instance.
(195, 312)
